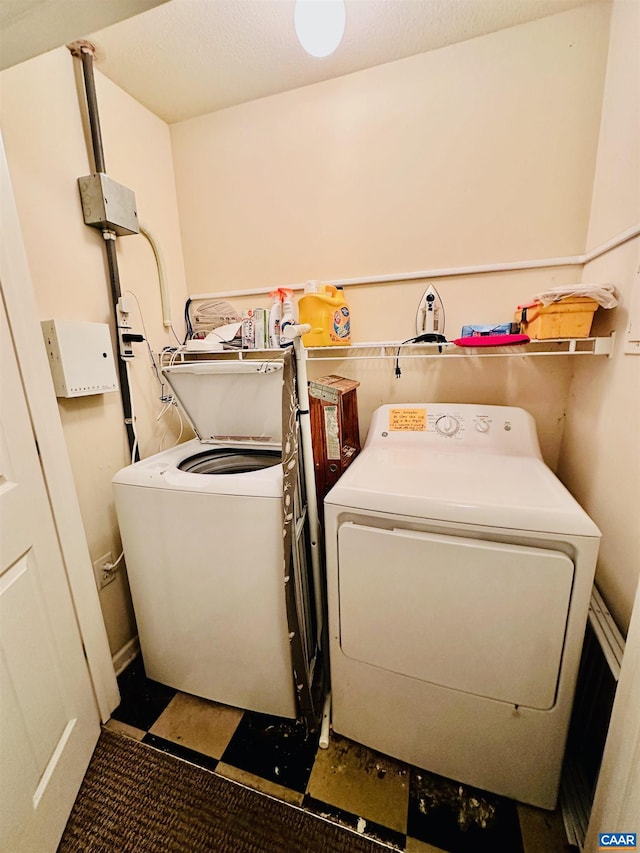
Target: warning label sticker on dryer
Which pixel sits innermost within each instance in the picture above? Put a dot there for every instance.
(407, 420)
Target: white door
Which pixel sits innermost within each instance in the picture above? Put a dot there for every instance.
(48, 716)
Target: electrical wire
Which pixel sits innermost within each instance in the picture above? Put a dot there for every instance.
(426, 338)
(187, 322)
(162, 279)
(135, 449)
(111, 566)
(154, 366)
(164, 398)
(174, 354)
(172, 404)
(167, 400)
(266, 359)
(177, 410)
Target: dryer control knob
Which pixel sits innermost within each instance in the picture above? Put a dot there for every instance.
(482, 425)
(447, 425)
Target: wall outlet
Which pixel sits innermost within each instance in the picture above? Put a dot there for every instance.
(101, 569)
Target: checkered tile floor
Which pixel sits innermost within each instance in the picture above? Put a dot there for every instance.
(397, 804)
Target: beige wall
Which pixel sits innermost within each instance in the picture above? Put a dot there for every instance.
(46, 152)
(476, 153)
(601, 446)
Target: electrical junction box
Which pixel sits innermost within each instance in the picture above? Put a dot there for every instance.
(108, 205)
(80, 357)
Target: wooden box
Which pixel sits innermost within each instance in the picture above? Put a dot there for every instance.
(333, 407)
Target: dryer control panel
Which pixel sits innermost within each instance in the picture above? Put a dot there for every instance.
(497, 429)
(452, 425)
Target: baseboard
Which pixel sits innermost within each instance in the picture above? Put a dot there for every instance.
(127, 653)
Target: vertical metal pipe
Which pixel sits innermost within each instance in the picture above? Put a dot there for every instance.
(85, 51)
(92, 104)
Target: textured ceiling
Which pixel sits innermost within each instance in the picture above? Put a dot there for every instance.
(31, 27)
(190, 57)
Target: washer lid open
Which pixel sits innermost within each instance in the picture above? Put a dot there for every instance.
(231, 401)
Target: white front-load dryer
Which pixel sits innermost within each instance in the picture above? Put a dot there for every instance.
(201, 527)
(459, 573)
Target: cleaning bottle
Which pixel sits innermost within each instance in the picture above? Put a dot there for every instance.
(275, 317)
(288, 316)
(327, 312)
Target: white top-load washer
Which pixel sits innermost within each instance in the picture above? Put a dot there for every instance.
(201, 527)
(459, 573)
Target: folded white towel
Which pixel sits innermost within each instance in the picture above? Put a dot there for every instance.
(604, 294)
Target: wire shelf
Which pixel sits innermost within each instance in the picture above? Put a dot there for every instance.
(390, 349)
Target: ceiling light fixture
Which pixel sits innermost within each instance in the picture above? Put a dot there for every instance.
(319, 25)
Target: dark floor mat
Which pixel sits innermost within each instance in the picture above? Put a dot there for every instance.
(135, 799)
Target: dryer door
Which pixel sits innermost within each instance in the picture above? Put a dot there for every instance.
(478, 616)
